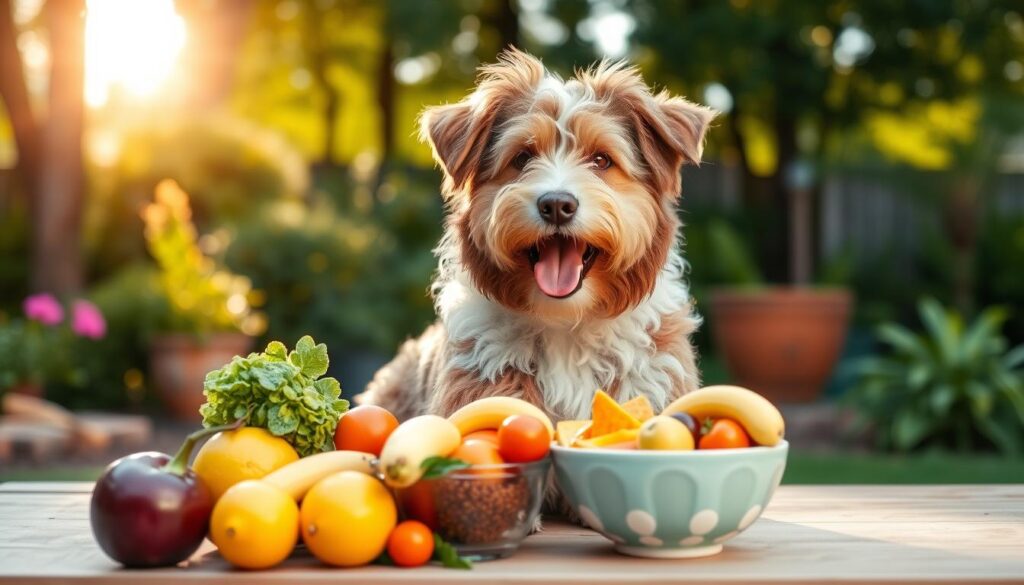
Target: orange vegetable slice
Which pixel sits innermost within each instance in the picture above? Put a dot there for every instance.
(609, 416)
(640, 407)
(620, 439)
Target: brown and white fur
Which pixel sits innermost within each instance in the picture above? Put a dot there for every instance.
(522, 133)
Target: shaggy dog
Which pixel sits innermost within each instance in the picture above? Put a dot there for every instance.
(560, 269)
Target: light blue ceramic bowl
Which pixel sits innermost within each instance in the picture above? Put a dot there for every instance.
(669, 504)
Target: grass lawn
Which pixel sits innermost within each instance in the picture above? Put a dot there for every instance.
(802, 468)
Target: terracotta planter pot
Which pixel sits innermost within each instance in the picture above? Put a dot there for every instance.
(781, 342)
(29, 389)
(179, 363)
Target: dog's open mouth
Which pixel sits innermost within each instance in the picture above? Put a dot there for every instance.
(560, 264)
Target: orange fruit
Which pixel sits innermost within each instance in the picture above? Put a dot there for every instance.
(478, 452)
(255, 525)
(364, 428)
(346, 519)
(490, 435)
(234, 456)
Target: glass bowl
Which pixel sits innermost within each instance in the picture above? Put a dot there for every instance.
(485, 511)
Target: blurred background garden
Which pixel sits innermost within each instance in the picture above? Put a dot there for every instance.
(185, 180)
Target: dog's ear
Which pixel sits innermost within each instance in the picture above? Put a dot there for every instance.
(460, 133)
(670, 132)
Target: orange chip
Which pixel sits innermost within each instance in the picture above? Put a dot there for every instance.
(640, 407)
(622, 439)
(609, 416)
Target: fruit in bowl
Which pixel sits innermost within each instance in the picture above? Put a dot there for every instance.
(667, 493)
(477, 478)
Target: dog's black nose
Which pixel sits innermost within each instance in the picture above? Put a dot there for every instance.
(557, 207)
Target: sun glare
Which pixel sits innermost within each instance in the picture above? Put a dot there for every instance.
(131, 45)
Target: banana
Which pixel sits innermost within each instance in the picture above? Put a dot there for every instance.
(762, 421)
(415, 440)
(296, 478)
(488, 413)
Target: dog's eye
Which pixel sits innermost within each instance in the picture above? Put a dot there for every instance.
(602, 161)
(521, 159)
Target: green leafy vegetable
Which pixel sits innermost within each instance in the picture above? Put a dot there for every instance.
(282, 392)
(440, 466)
(448, 556)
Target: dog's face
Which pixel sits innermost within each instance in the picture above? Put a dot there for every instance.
(563, 194)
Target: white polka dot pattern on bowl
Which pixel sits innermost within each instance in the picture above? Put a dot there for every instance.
(691, 541)
(641, 522)
(750, 516)
(651, 541)
(590, 518)
(725, 537)
(703, 522)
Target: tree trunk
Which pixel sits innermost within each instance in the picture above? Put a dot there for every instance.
(19, 109)
(56, 257)
(216, 32)
(961, 219)
(386, 105)
(507, 23)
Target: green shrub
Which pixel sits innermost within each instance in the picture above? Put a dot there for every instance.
(954, 385)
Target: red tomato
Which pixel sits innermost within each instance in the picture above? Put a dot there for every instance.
(725, 433)
(417, 502)
(411, 544)
(364, 428)
(522, 439)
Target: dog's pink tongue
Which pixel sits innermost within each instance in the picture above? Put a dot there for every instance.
(560, 266)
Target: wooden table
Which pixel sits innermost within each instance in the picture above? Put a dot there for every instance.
(837, 534)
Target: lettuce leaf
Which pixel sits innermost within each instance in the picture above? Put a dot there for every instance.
(283, 392)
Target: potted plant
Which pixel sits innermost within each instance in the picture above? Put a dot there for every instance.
(210, 319)
(39, 348)
(782, 342)
(956, 385)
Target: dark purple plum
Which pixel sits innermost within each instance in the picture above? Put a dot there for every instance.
(151, 510)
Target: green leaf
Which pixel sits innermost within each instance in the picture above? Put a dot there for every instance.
(276, 349)
(439, 466)
(281, 423)
(982, 399)
(448, 556)
(943, 327)
(981, 334)
(909, 428)
(1014, 358)
(310, 358)
(941, 398)
(328, 388)
(902, 340)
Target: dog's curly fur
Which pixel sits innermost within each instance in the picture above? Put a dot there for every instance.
(627, 326)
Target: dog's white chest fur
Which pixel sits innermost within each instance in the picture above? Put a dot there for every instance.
(568, 361)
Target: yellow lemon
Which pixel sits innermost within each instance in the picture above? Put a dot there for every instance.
(234, 456)
(255, 525)
(346, 519)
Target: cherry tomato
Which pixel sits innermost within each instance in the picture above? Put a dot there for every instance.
(364, 428)
(489, 435)
(417, 502)
(725, 433)
(411, 544)
(522, 439)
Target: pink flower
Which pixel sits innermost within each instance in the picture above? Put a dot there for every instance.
(87, 320)
(43, 308)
